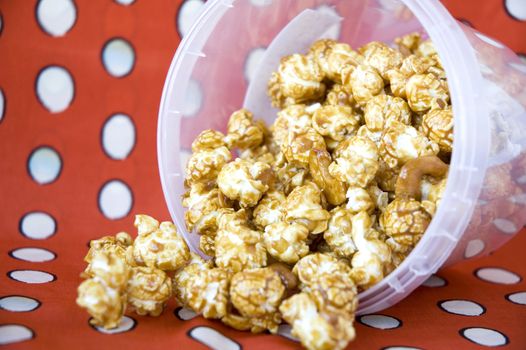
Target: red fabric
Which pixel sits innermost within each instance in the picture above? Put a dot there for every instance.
(72, 199)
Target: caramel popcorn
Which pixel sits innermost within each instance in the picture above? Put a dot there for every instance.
(401, 143)
(359, 199)
(357, 162)
(339, 95)
(381, 110)
(237, 246)
(332, 56)
(116, 245)
(303, 206)
(405, 220)
(293, 119)
(299, 78)
(311, 267)
(365, 83)
(381, 57)
(300, 145)
(426, 49)
(204, 165)
(158, 245)
(203, 288)
(407, 44)
(338, 233)
(425, 91)
(333, 189)
(437, 125)
(286, 242)
(269, 210)
(373, 256)
(243, 133)
(244, 180)
(316, 329)
(105, 304)
(259, 154)
(256, 294)
(208, 140)
(148, 290)
(335, 122)
(203, 203)
(109, 267)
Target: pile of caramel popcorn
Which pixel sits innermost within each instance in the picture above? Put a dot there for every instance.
(322, 204)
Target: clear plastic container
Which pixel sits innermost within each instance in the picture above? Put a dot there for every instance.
(484, 203)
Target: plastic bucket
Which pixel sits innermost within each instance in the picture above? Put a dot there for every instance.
(225, 60)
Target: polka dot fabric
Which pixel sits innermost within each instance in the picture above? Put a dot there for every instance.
(80, 84)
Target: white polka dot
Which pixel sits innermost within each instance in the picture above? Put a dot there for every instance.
(55, 88)
(462, 307)
(17, 303)
(185, 314)
(33, 254)
(38, 225)
(193, 99)
(505, 226)
(118, 136)
(31, 276)
(285, 331)
(261, 2)
(473, 248)
(56, 17)
(489, 40)
(434, 281)
(497, 275)
(2, 105)
(14, 333)
(516, 8)
(484, 336)
(126, 324)
(400, 348)
(115, 199)
(252, 62)
(44, 165)
(188, 13)
(517, 298)
(1, 23)
(124, 2)
(213, 339)
(118, 57)
(380, 321)
(518, 66)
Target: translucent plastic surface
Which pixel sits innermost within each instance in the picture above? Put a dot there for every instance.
(484, 204)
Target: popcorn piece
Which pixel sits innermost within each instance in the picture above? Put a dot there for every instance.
(424, 91)
(289, 176)
(386, 177)
(335, 122)
(401, 143)
(269, 210)
(405, 220)
(205, 165)
(108, 244)
(437, 191)
(207, 244)
(105, 304)
(381, 57)
(259, 154)
(380, 198)
(148, 290)
(334, 189)
(208, 140)
(303, 206)
(338, 233)
(398, 252)
(437, 125)
(334, 293)
(203, 203)
(316, 329)
(370, 263)
(363, 131)
(256, 294)
(243, 132)
(237, 246)
(203, 288)
(286, 242)
(299, 78)
(357, 163)
(110, 267)
(311, 267)
(332, 56)
(408, 43)
(426, 49)
(299, 146)
(381, 110)
(339, 95)
(365, 83)
(359, 200)
(245, 181)
(293, 119)
(157, 246)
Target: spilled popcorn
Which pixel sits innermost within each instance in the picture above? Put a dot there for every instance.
(317, 207)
